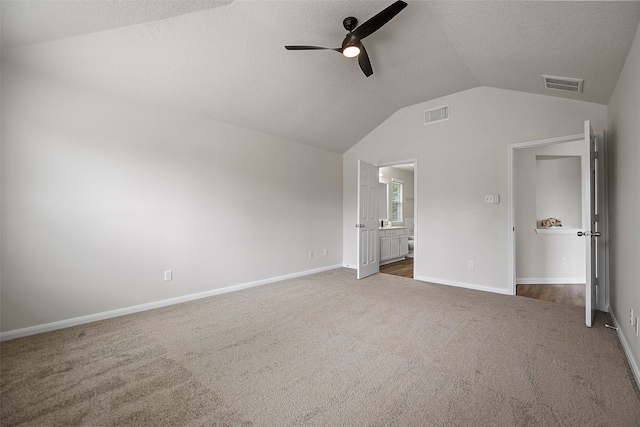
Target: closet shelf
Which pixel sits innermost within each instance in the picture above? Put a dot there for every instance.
(558, 230)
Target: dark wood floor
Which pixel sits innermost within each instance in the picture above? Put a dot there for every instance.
(402, 268)
(563, 294)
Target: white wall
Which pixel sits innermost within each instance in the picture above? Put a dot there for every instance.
(101, 194)
(459, 161)
(559, 190)
(623, 156)
(539, 256)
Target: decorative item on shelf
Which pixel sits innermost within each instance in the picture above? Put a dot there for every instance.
(550, 222)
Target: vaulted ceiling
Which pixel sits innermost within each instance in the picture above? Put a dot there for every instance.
(226, 59)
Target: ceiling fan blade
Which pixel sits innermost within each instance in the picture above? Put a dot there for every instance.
(374, 24)
(337, 49)
(364, 62)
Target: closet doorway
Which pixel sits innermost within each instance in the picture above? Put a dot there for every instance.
(550, 182)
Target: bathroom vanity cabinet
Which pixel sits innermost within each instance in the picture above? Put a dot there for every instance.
(394, 244)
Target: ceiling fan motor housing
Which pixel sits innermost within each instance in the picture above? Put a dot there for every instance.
(350, 23)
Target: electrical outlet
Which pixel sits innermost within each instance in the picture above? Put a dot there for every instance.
(326, 252)
(167, 275)
(631, 316)
(310, 254)
(470, 264)
(637, 327)
(489, 198)
(564, 261)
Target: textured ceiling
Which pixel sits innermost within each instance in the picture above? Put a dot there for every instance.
(229, 62)
(27, 22)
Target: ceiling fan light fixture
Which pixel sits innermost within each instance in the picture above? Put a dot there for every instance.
(351, 51)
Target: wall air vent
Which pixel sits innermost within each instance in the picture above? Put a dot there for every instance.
(563, 83)
(436, 115)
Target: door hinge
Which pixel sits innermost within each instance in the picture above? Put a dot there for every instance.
(597, 216)
(596, 155)
(597, 281)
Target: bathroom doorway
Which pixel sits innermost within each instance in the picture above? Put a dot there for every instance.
(397, 212)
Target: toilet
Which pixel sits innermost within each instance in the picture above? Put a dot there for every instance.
(410, 254)
(410, 225)
(410, 241)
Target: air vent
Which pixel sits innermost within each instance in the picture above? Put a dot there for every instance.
(563, 83)
(436, 115)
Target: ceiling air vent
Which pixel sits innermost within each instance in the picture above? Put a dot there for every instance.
(436, 115)
(563, 83)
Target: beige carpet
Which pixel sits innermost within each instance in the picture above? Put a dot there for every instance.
(327, 350)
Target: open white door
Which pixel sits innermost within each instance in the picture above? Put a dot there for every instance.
(368, 261)
(591, 218)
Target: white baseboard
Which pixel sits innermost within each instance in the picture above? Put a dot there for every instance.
(463, 285)
(47, 327)
(627, 351)
(552, 281)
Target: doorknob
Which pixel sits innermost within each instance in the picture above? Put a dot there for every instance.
(589, 233)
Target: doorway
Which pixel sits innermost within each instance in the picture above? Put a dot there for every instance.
(550, 259)
(397, 212)
(561, 251)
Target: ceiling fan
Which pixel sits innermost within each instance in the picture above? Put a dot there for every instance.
(352, 44)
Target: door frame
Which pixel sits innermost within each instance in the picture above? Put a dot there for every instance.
(602, 303)
(603, 296)
(416, 241)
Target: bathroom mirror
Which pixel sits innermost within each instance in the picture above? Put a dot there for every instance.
(383, 201)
